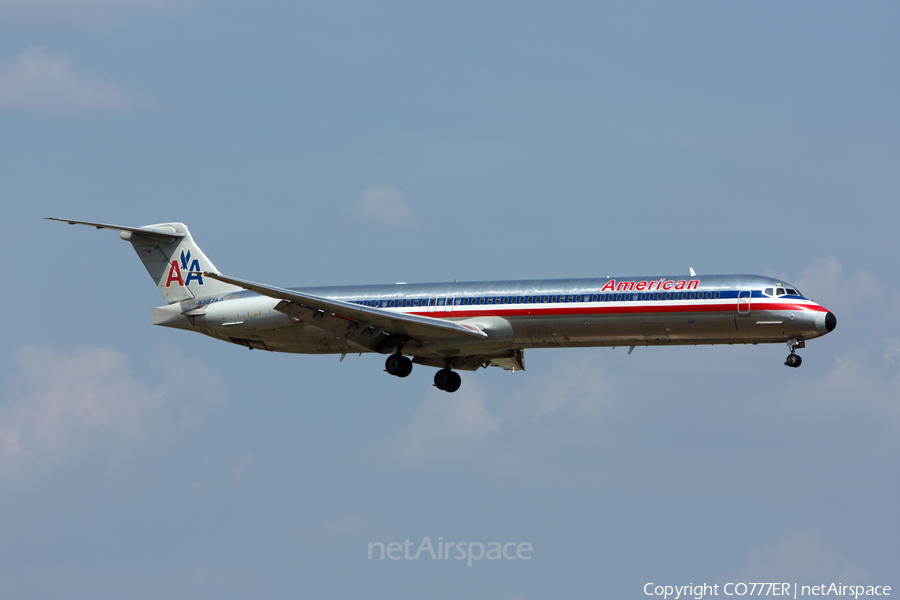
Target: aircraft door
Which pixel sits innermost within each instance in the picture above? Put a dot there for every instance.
(743, 304)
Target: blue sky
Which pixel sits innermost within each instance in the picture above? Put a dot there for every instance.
(310, 144)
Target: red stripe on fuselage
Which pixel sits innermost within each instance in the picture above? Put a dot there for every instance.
(485, 310)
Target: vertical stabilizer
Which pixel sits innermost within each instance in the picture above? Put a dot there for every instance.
(176, 264)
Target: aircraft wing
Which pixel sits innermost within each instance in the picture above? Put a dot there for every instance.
(361, 323)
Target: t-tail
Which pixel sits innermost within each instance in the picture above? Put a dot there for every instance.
(173, 260)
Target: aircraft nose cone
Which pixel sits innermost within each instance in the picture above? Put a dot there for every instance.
(825, 322)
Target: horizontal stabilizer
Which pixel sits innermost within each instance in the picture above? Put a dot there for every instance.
(171, 258)
(146, 231)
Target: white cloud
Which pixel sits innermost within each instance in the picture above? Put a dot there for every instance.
(38, 80)
(865, 372)
(576, 381)
(384, 205)
(859, 293)
(445, 425)
(62, 405)
(88, 12)
(458, 426)
(860, 387)
(802, 555)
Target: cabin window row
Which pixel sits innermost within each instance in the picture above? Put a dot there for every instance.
(549, 299)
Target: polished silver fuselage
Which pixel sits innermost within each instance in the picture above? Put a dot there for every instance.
(626, 311)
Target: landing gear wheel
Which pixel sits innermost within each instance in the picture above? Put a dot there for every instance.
(455, 382)
(447, 380)
(793, 360)
(398, 365)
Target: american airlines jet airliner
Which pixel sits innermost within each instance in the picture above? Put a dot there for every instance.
(465, 326)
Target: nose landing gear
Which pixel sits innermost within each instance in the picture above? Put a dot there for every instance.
(794, 360)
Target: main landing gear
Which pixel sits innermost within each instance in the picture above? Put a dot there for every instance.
(794, 360)
(447, 380)
(398, 365)
(401, 366)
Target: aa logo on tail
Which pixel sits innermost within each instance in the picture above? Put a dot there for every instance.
(193, 272)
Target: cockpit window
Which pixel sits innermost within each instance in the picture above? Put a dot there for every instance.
(769, 291)
(779, 291)
(792, 292)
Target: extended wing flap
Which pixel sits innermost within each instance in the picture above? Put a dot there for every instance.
(348, 318)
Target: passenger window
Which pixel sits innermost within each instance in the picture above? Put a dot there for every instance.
(718, 294)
